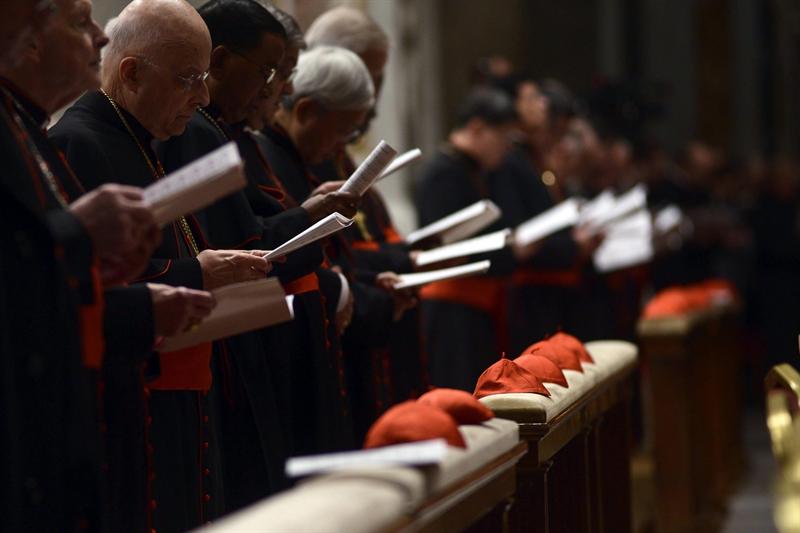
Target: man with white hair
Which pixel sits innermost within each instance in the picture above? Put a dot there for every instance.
(332, 94)
(377, 245)
(153, 76)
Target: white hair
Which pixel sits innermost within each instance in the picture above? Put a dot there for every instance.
(349, 28)
(335, 77)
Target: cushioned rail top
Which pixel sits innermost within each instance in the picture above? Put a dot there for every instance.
(372, 499)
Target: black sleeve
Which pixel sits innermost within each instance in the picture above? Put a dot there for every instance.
(372, 315)
(128, 324)
(389, 258)
(75, 243)
(183, 272)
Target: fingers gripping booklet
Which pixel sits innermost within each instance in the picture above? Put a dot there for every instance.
(196, 185)
(240, 307)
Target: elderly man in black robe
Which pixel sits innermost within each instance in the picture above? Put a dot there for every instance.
(101, 238)
(373, 242)
(331, 98)
(152, 83)
(247, 46)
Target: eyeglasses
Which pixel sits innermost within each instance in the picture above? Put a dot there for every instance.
(187, 82)
(267, 72)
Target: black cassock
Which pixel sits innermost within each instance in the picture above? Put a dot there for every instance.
(463, 321)
(181, 458)
(127, 330)
(543, 294)
(291, 387)
(365, 340)
(375, 246)
(51, 449)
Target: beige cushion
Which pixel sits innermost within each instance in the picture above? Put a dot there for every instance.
(328, 504)
(371, 499)
(485, 442)
(610, 358)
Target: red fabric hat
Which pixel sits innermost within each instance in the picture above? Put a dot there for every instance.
(572, 344)
(557, 353)
(459, 404)
(543, 368)
(507, 376)
(669, 302)
(412, 421)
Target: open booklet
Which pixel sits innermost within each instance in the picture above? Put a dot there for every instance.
(400, 162)
(325, 227)
(459, 225)
(196, 185)
(240, 307)
(426, 452)
(628, 242)
(607, 208)
(369, 170)
(408, 281)
(478, 245)
(555, 219)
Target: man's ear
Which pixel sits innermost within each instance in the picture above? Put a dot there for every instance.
(306, 109)
(219, 58)
(130, 73)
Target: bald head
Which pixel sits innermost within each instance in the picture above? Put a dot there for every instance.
(151, 28)
(156, 63)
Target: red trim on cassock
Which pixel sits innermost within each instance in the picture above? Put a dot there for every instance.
(187, 369)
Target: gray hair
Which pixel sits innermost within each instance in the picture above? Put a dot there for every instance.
(349, 28)
(334, 77)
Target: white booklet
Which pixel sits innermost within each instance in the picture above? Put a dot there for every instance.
(623, 205)
(408, 281)
(368, 172)
(459, 225)
(478, 245)
(400, 162)
(197, 185)
(325, 227)
(426, 452)
(555, 219)
(240, 307)
(628, 242)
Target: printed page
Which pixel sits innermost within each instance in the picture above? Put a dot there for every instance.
(459, 225)
(478, 245)
(427, 452)
(555, 219)
(197, 185)
(240, 307)
(367, 172)
(419, 279)
(401, 162)
(325, 227)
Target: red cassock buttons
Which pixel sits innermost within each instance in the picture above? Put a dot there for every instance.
(205, 445)
(206, 472)
(207, 498)
(153, 504)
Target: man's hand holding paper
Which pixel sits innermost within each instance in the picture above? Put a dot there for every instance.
(225, 267)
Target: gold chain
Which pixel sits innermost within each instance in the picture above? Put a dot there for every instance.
(157, 170)
(213, 122)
